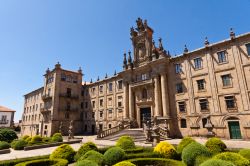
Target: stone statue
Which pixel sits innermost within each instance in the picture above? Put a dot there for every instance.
(60, 127)
(71, 130)
(140, 26)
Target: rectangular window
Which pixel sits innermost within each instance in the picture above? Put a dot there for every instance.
(197, 63)
(63, 77)
(101, 102)
(230, 102)
(144, 77)
(183, 123)
(120, 84)
(93, 115)
(86, 104)
(68, 92)
(82, 105)
(222, 56)
(101, 114)
(203, 104)
(179, 88)
(110, 101)
(110, 87)
(178, 68)
(226, 80)
(248, 48)
(119, 103)
(201, 84)
(110, 111)
(93, 91)
(101, 89)
(182, 106)
(93, 104)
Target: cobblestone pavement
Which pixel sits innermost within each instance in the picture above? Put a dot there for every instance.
(100, 143)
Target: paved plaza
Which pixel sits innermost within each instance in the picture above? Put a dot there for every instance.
(101, 143)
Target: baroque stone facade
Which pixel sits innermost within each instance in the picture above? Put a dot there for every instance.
(209, 86)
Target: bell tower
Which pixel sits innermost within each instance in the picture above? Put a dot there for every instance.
(141, 38)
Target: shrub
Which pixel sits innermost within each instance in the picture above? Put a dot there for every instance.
(85, 148)
(245, 153)
(104, 149)
(57, 137)
(25, 137)
(184, 142)
(64, 151)
(18, 144)
(92, 156)
(124, 163)
(217, 162)
(235, 158)
(113, 155)
(42, 162)
(36, 140)
(86, 163)
(215, 145)
(125, 142)
(165, 149)
(47, 139)
(191, 151)
(156, 161)
(7, 135)
(4, 145)
(142, 155)
(135, 150)
(201, 159)
(13, 162)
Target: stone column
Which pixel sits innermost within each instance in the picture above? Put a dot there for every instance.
(125, 101)
(157, 99)
(131, 103)
(164, 96)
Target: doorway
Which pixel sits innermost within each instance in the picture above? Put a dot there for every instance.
(234, 130)
(145, 115)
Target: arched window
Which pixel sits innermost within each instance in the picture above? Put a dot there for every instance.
(183, 123)
(144, 93)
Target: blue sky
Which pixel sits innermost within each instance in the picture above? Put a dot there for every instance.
(93, 34)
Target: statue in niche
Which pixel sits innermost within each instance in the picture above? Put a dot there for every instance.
(141, 51)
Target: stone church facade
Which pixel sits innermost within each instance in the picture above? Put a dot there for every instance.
(207, 86)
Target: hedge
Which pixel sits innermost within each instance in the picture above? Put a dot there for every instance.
(4, 145)
(235, 158)
(135, 150)
(84, 149)
(57, 137)
(215, 145)
(192, 151)
(86, 163)
(142, 155)
(18, 144)
(166, 149)
(7, 135)
(113, 155)
(93, 156)
(64, 151)
(245, 153)
(156, 161)
(43, 162)
(124, 163)
(184, 142)
(125, 142)
(217, 162)
(16, 161)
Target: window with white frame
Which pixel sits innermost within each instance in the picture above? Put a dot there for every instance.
(198, 63)
(248, 48)
(226, 80)
(222, 56)
(178, 68)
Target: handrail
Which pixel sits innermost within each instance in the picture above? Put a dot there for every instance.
(163, 132)
(110, 131)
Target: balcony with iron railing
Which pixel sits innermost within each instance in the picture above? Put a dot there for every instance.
(46, 97)
(142, 82)
(45, 110)
(4, 121)
(69, 95)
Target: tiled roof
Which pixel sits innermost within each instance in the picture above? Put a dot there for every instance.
(4, 109)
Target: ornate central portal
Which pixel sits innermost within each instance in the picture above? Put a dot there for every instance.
(145, 115)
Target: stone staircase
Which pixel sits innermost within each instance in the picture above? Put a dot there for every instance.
(137, 134)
